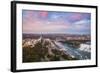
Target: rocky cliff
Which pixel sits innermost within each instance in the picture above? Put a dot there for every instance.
(41, 50)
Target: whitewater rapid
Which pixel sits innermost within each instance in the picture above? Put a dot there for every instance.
(79, 53)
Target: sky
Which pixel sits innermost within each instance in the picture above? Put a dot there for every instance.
(56, 22)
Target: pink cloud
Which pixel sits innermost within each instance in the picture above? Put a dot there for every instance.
(76, 16)
(44, 26)
(43, 13)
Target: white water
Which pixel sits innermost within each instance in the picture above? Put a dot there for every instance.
(80, 53)
(85, 47)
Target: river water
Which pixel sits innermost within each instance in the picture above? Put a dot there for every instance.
(74, 52)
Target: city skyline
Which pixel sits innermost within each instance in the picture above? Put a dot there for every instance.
(56, 22)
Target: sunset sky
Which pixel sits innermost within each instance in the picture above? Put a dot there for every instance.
(56, 22)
